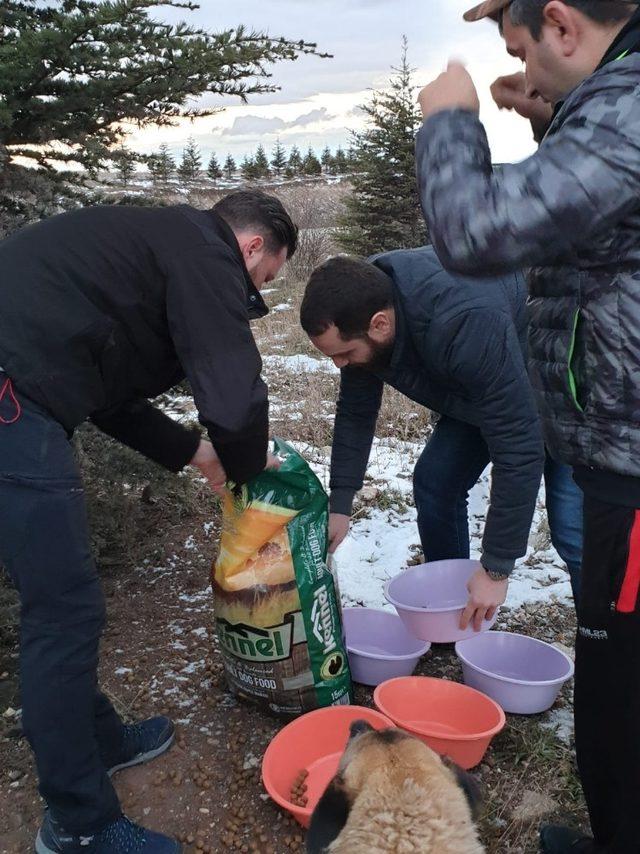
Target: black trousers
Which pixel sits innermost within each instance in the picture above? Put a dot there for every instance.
(44, 545)
(607, 682)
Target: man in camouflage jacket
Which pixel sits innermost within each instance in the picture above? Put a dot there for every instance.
(571, 215)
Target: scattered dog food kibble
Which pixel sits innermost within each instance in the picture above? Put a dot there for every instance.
(299, 789)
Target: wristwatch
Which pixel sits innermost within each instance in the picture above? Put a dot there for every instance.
(495, 576)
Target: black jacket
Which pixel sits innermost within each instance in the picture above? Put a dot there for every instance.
(105, 307)
(460, 350)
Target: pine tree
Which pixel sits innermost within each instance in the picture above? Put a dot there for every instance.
(124, 162)
(384, 210)
(191, 165)
(161, 165)
(278, 158)
(261, 163)
(73, 71)
(340, 162)
(230, 167)
(353, 161)
(248, 168)
(213, 169)
(311, 165)
(328, 161)
(294, 166)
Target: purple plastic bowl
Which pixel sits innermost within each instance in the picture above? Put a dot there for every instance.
(379, 646)
(430, 599)
(524, 675)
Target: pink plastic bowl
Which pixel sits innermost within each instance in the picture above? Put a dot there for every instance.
(452, 719)
(523, 674)
(430, 599)
(313, 742)
(379, 645)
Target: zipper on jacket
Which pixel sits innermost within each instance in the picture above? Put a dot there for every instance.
(573, 388)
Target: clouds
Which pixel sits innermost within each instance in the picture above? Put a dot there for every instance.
(319, 98)
(253, 126)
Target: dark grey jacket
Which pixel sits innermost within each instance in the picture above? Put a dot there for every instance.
(571, 212)
(459, 351)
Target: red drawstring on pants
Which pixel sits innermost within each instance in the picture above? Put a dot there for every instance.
(8, 388)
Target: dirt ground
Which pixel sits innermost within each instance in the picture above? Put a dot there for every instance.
(159, 656)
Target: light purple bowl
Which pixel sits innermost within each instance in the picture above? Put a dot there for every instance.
(430, 599)
(524, 675)
(379, 646)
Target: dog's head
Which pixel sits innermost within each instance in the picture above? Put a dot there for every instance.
(369, 750)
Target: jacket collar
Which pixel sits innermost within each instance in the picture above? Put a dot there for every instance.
(213, 227)
(403, 351)
(627, 41)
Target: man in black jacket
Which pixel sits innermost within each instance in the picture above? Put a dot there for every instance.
(456, 348)
(100, 310)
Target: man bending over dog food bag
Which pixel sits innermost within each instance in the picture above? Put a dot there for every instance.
(570, 213)
(101, 309)
(456, 346)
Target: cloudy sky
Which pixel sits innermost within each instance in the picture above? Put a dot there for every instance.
(318, 101)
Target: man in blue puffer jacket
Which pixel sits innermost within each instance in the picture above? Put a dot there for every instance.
(458, 347)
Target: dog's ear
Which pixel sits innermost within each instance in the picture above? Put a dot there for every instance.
(468, 784)
(358, 727)
(329, 817)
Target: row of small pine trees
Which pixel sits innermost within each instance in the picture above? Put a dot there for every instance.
(162, 165)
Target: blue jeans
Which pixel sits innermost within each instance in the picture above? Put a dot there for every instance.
(449, 467)
(44, 546)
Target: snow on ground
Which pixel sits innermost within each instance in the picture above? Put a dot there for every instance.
(560, 720)
(381, 541)
(299, 364)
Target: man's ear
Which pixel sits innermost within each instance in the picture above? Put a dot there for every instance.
(468, 784)
(329, 817)
(380, 326)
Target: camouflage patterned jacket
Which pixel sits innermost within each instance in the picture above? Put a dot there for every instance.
(571, 213)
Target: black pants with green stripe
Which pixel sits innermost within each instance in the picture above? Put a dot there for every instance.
(607, 684)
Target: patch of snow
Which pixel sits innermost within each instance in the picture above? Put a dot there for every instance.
(300, 364)
(561, 721)
(377, 547)
(283, 306)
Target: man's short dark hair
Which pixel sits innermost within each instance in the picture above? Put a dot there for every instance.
(346, 292)
(253, 209)
(530, 13)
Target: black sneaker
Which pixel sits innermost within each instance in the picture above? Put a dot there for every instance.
(141, 743)
(120, 837)
(563, 840)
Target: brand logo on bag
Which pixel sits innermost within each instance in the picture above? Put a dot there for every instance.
(322, 619)
(252, 644)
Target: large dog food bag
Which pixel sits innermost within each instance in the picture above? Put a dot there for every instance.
(276, 607)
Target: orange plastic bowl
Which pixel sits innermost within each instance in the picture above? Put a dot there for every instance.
(454, 720)
(314, 742)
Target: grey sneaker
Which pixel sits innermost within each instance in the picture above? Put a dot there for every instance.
(120, 837)
(141, 743)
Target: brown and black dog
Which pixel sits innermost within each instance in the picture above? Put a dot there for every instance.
(392, 793)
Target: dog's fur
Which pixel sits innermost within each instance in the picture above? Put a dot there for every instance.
(393, 794)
